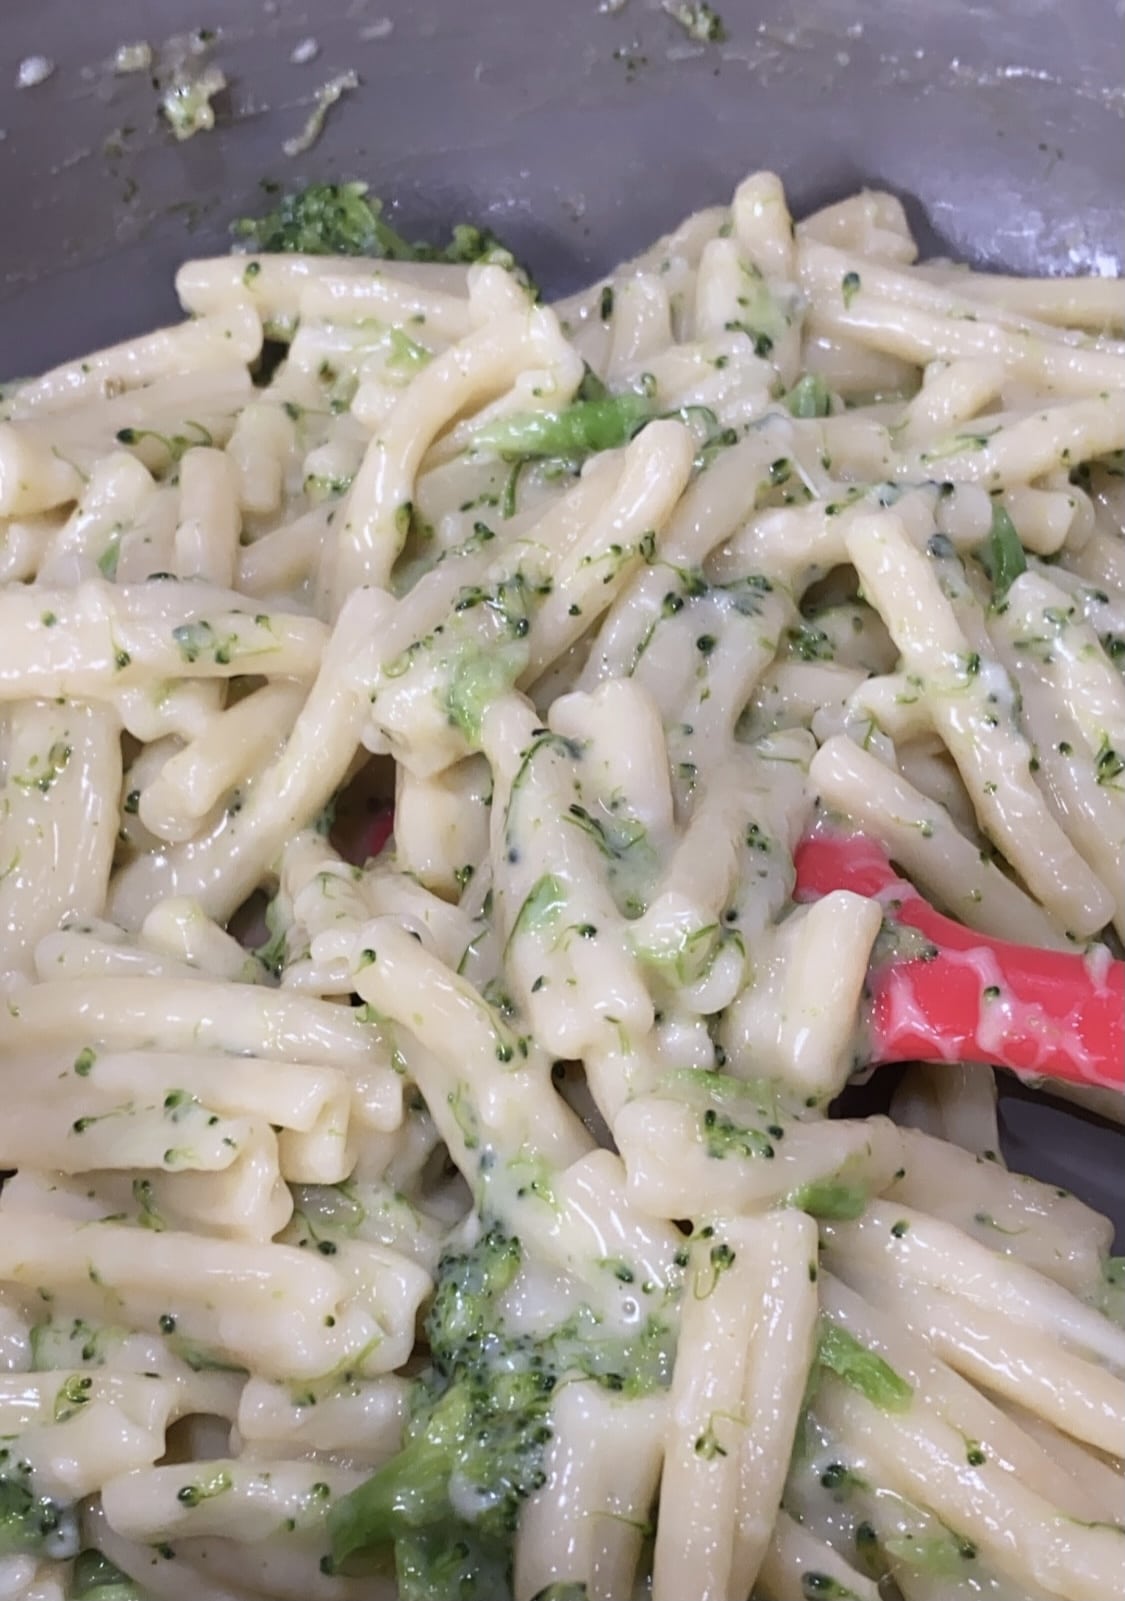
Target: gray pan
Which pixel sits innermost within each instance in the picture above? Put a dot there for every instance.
(579, 132)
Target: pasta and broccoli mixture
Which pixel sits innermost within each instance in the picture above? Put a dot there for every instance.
(416, 1069)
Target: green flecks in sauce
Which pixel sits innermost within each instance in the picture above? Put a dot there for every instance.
(723, 1137)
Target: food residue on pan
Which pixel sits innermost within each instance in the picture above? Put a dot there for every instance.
(136, 56)
(34, 70)
(699, 21)
(381, 28)
(326, 98)
(186, 80)
(186, 102)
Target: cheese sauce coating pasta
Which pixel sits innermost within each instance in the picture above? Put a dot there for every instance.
(450, 1208)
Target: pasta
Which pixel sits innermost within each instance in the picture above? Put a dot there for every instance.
(445, 1203)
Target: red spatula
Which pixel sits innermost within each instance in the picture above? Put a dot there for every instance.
(961, 996)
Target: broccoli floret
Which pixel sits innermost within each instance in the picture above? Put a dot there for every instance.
(467, 244)
(477, 679)
(343, 219)
(1002, 554)
(634, 1366)
(474, 1447)
(471, 1456)
(435, 1566)
(448, 1504)
(462, 1316)
(411, 1491)
(326, 219)
(30, 1522)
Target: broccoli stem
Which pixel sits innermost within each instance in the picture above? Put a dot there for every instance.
(577, 430)
(411, 1491)
(1004, 558)
(864, 1370)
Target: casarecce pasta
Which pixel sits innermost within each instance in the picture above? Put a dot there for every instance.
(451, 1208)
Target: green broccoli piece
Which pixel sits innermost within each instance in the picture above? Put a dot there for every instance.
(412, 1491)
(1002, 554)
(478, 678)
(809, 397)
(831, 1198)
(863, 1369)
(449, 1501)
(436, 1566)
(325, 219)
(97, 1579)
(479, 1444)
(30, 1522)
(578, 430)
(467, 244)
(343, 219)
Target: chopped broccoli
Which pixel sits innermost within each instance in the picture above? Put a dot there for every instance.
(467, 243)
(464, 1306)
(474, 1450)
(580, 429)
(831, 1198)
(474, 1447)
(809, 397)
(634, 1366)
(97, 1579)
(326, 219)
(920, 1543)
(71, 1343)
(1002, 554)
(723, 1137)
(700, 22)
(30, 1522)
(433, 1567)
(864, 1370)
(810, 643)
(943, 1556)
(342, 219)
(477, 678)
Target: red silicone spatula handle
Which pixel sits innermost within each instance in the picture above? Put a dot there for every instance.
(967, 997)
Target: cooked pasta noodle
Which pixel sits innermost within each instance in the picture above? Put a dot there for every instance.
(449, 1206)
